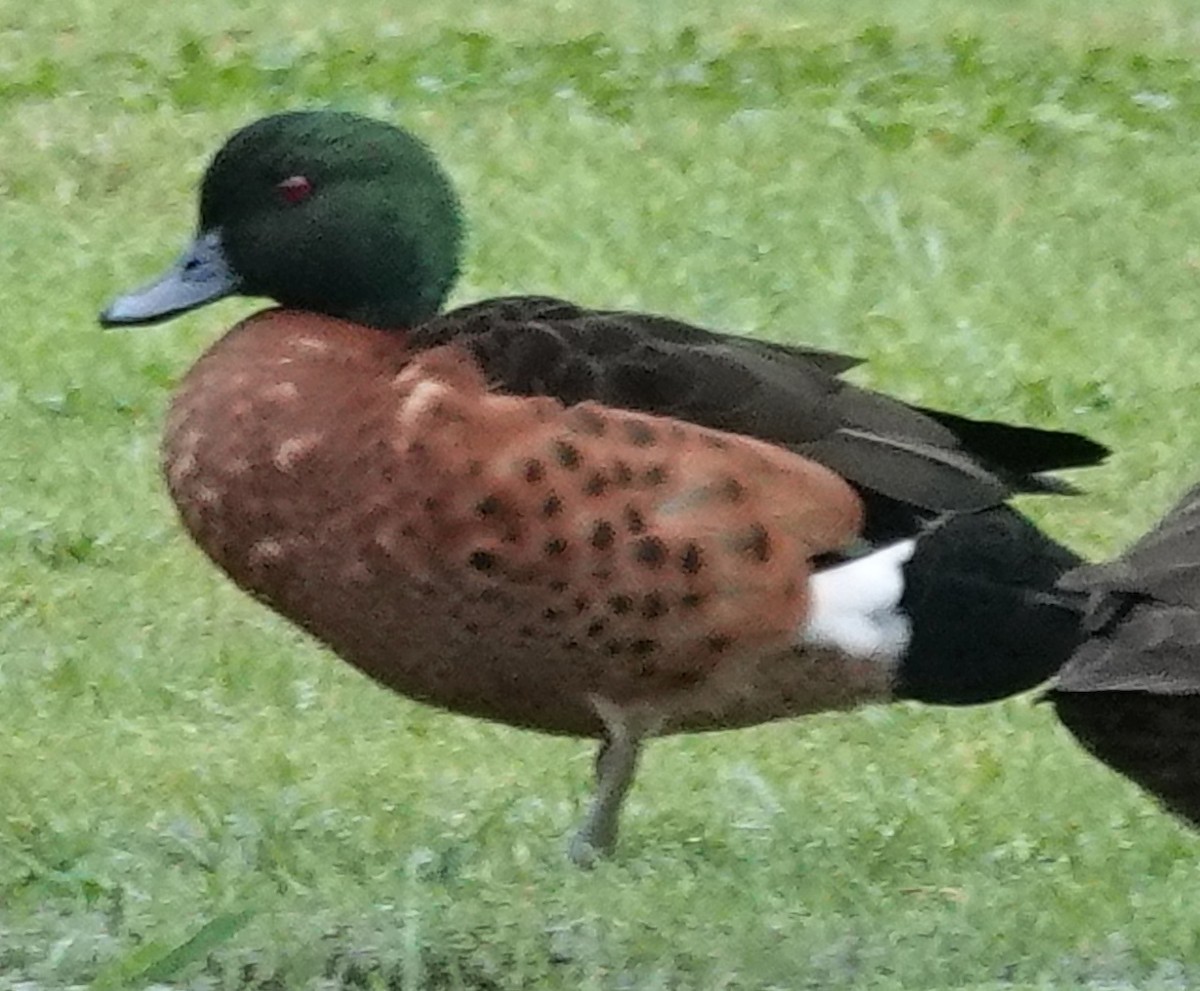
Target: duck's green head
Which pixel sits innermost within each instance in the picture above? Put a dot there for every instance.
(323, 211)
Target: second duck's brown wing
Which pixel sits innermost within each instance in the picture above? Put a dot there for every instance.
(1131, 692)
(1152, 739)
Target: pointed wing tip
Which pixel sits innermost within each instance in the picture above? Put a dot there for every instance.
(1087, 452)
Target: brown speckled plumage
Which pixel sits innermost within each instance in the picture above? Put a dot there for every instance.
(501, 556)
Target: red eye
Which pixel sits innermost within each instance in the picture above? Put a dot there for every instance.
(295, 189)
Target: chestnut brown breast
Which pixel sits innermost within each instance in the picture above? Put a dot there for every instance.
(501, 556)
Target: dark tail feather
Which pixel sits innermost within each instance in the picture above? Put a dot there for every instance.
(987, 616)
(1022, 454)
(1131, 692)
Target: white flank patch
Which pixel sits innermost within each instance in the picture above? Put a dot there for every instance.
(855, 606)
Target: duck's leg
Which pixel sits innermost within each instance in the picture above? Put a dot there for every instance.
(616, 763)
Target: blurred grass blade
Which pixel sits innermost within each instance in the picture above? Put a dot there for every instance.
(154, 961)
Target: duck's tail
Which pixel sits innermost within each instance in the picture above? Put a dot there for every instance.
(987, 615)
(992, 606)
(1130, 692)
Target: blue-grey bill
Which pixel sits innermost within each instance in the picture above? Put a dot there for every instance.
(200, 275)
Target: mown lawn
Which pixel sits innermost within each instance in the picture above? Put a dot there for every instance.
(997, 203)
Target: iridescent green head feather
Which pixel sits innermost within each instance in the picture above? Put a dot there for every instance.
(319, 210)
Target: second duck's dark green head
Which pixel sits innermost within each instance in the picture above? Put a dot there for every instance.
(319, 210)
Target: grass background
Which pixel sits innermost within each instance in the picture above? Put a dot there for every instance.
(996, 202)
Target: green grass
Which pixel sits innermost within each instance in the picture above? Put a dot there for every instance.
(997, 203)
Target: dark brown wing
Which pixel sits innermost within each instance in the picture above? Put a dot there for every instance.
(1143, 616)
(476, 318)
(1163, 566)
(1131, 693)
(1025, 452)
(788, 395)
(1154, 740)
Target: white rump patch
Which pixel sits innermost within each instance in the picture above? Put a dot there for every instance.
(855, 607)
